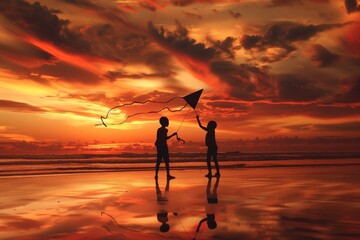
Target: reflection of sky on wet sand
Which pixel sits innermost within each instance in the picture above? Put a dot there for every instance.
(272, 203)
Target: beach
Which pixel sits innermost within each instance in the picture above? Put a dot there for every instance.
(303, 202)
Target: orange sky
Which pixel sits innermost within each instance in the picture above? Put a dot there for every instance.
(268, 68)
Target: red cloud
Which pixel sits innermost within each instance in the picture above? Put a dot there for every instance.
(72, 59)
(352, 37)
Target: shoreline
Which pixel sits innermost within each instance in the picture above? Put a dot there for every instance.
(234, 155)
(87, 170)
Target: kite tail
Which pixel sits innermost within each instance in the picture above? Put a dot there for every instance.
(140, 113)
(132, 103)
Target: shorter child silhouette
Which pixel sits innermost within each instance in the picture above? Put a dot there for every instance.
(210, 142)
(161, 146)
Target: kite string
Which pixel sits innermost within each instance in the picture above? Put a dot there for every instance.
(182, 121)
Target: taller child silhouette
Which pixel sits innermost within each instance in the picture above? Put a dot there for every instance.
(210, 142)
(161, 146)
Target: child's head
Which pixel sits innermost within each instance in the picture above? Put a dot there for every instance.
(164, 227)
(211, 125)
(164, 121)
(211, 223)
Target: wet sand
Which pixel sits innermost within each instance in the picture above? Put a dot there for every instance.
(314, 202)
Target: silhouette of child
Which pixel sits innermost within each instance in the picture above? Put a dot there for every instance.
(212, 147)
(161, 146)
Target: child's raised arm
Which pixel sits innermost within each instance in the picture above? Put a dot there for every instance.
(198, 119)
(174, 134)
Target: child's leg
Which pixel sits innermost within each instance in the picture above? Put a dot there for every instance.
(208, 158)
(167, 165)
(216, 161)
(158, 161)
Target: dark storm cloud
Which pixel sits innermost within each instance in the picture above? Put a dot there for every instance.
(192, 15)
(182, 2)
(245, 81)
(340, 127)
(19, 106)
(43, 23)
(226, 46)
(304, 32)
(299, 89)
(310, 109)
(25, 107)
(20, 223)
(138, 75)
(160, 61)
(115, 43)
(26, 56)
(38, 71)
(284, 35)
(114, 15)
(147, 6)
(234, 14)
(179, 41)
(279, 3)
(63, 72)
(322, 57)
(81, 3)
(97, 39)
(352, 6)
(351, 90)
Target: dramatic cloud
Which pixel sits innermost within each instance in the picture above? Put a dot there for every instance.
(16, 223)
(352, 6)
(244, 81)
(299, 89)
(193, 15)
(352, 126)
(351, 38)
(226, 46)
(18, 106)
(321, 56)
(247, 82)
(180, 42)
(235, 14)
(148, 6)
(278, 3)
(284, 35)
(350, 91)
(43, 23)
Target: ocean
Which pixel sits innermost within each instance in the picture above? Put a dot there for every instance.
(31, 165)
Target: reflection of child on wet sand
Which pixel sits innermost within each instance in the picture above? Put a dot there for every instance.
(161, 146)
(162, 214)
(210, 210)
(210, 142)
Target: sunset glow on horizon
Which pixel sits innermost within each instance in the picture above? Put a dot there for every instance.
(268, 68)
